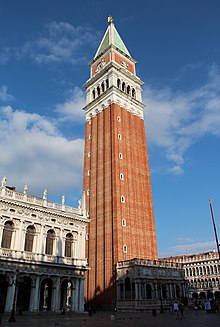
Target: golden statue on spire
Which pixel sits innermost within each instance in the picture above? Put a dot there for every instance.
(110, 19)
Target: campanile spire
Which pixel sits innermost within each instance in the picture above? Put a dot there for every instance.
(116, 170)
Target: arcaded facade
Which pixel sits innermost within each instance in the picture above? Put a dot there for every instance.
(42, 252)
(149, 284)
(202, 272)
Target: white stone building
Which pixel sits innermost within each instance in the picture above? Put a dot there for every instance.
(42, 252)
(149, 284)
(202, 271)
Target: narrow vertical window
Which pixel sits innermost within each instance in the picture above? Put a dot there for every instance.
(123, 222)
(125, 248)
(119, 119)
(118, 83)
(88, 172)
(123, 86)
(120, 156)
(90, 136)
(119, 137)
(121, 177)
(107, 84)
(122, 199)
(98, 90)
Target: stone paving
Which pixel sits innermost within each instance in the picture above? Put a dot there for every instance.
(108, 319)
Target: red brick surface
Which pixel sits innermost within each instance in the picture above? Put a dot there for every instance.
(107, 236)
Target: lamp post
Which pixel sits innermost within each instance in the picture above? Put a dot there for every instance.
(214, 227)
(161, 299)
(12, 314)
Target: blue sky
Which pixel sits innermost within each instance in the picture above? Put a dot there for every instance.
(45, 48)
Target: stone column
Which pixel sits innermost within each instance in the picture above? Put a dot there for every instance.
(1, 231)
(22, 236)
(61, 245)
(136, 285)
(56, 294)
(81, 294)
(10, 296)
(35, 293)
(174, 288)
(73, 295)
(40, 248)
(171, 290)
(76, 295)
(156, 292)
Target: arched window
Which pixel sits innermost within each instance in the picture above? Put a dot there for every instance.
(148, 291)
(121, 292)
(123, 86)
(7, 234)
(29, 239)
(128, 89)
(122, 199)
(50, 241)
(125, 248)
(69, 245)
(98, 90)
(118, 83)
(93, 94)
(127, 288)
(107, 84)
(103, 87)
(133, 93)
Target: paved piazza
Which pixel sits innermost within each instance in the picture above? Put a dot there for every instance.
(102, 319)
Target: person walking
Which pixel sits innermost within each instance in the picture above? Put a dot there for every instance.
(181, 309)
(176, 309)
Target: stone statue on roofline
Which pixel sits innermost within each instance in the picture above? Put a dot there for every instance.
(4, 181)
(25, 189)
(80, 204)
(45, 194)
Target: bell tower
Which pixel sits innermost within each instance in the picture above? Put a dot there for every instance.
(116, 172)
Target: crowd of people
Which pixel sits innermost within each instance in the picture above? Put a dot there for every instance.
(210, 306)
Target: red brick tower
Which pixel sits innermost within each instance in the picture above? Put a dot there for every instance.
(116, 171)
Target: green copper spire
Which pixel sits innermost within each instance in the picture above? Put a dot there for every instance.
(111, 36)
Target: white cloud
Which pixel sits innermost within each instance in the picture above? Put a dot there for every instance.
(190, 248)
(176, 120)
(33, 151)
(177, 170)
(4, 95)
(61, 42)
(71, 109)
